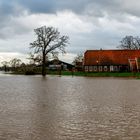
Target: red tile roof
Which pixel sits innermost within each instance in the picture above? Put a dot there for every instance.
(107, 57)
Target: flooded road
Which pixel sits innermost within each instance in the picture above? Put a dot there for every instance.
(69, 108)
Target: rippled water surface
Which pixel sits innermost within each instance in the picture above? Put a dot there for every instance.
(69, 108)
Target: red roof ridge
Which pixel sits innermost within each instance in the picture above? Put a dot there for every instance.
(113, 50)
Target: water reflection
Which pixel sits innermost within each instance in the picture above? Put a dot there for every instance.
(61, 108)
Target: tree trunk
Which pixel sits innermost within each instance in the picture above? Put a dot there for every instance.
(44, 65)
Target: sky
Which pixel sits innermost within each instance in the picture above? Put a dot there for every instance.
(90, 24)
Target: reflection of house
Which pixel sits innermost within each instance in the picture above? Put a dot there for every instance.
(57, 64)
(112, 60)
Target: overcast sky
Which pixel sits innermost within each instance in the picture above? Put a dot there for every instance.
(90, 24)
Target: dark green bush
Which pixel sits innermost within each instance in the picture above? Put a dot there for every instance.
(29, 73)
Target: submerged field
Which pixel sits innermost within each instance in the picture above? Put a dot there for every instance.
(69, 108)
(97, 74)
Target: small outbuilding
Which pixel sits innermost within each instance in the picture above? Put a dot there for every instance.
(58, 64)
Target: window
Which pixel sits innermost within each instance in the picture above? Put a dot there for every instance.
(95, 68)
(105, 68)
(90, 68)
(86, 68)
(111, 68)
(115, 68)
(100, 68)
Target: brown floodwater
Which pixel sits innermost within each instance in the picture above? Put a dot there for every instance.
(69, 108)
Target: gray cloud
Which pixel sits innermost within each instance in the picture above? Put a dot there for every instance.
(78, 6)
(92, 7)
(50, 6)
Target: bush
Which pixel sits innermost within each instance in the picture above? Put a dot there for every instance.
(29, 73)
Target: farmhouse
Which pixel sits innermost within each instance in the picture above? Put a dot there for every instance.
(111, 60)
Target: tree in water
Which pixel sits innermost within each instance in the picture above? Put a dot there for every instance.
(130, 42)
(48, 41)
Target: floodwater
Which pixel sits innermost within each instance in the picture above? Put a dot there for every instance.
(69, 108)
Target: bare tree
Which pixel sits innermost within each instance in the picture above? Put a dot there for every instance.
(5, 65)
(35, 59)
(78, 58)
(130, 42)
(137, 42)
(15, 62)
(48, 41)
